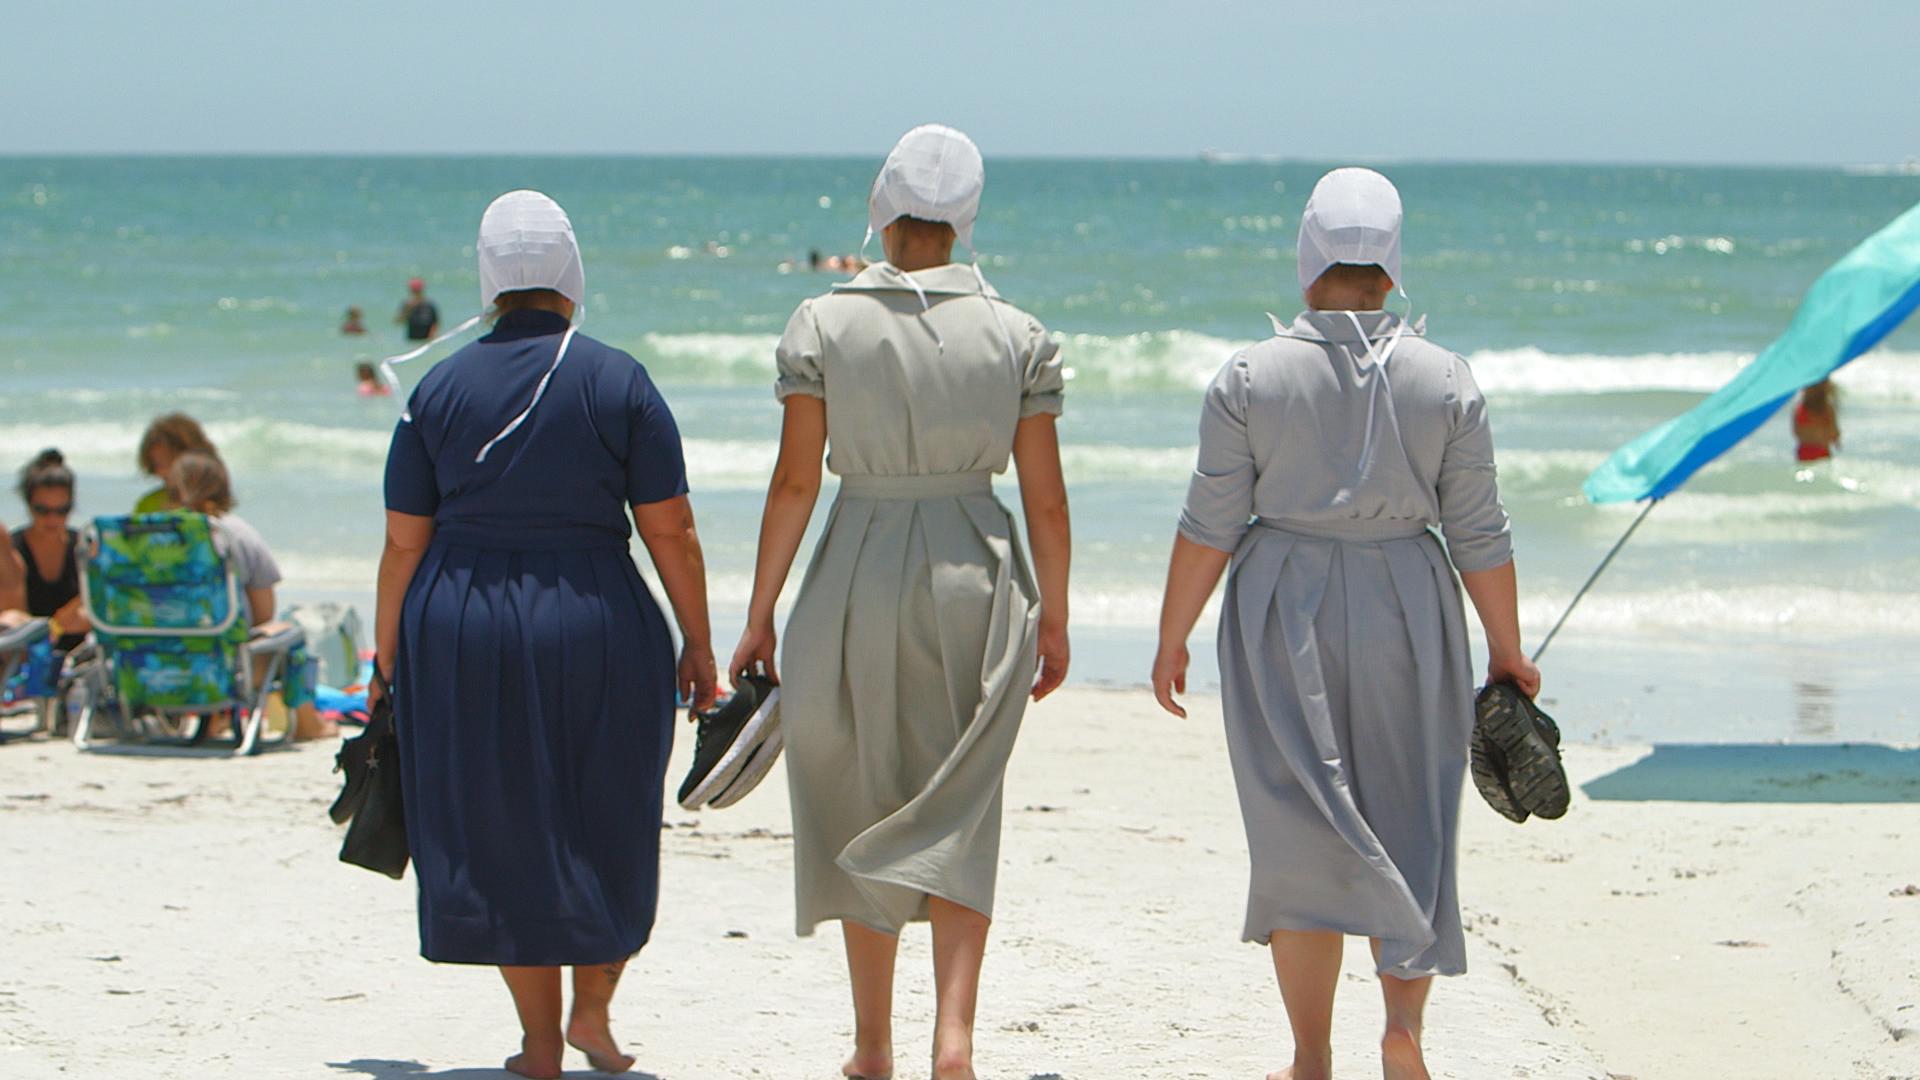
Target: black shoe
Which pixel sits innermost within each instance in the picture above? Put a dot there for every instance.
(1516, 756)
(728, 735)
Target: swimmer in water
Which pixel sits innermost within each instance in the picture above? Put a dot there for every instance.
(354, 323)
(370, 384)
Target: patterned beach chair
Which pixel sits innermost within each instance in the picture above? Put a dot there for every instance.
(26, 663)
(173, 648)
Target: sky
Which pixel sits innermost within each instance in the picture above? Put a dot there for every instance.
(1679, 81)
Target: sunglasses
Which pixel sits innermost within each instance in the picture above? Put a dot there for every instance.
(50, 511)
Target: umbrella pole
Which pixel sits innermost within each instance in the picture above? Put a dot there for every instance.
(1595, 576)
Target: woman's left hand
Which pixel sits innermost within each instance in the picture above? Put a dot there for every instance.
(698, 682)
(1170, 677)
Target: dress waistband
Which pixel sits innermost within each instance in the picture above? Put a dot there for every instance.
(1362, 530)
(501, 538)
(926, 486)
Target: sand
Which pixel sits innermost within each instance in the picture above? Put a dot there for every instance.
(180, 916)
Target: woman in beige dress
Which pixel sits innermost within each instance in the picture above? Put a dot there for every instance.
(913, 646)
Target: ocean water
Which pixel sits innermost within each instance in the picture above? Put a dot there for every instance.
(1593, 302)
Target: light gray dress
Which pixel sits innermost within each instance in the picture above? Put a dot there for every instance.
(911, 648)
(1343, 644)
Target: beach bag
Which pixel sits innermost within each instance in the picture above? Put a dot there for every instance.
(333, 639)
(371, 803)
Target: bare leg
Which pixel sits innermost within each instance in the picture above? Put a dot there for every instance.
(870, 956)
(959, 948)
(1307, 963)
(1406, 999)
(587, 1027)
(536, 997)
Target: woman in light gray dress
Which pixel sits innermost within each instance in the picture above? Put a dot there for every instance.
(911, 650)
(1328, 453)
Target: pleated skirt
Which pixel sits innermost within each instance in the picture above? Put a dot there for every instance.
(1348, 696)
(535, 706)
(905, 673)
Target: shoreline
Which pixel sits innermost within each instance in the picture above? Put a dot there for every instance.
(193, 906)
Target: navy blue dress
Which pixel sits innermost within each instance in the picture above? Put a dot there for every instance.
(535, 680)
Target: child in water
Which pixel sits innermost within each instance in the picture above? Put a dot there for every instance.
(370, 384)
(1816, 421)
(354, 323)
(1816, 428)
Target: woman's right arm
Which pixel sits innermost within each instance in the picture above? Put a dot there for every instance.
(13, 574)
(666, 528)
(790, 497)
(407, 538)
(1043, 499)
(1495, 596)
(1479, 537)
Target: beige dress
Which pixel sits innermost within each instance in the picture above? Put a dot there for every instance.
(909, 654)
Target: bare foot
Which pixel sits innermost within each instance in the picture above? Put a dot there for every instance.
(874, 1064)
(535, 1062)
(1400, 1056)
(1301, 1071)
(595, 1040)
(953, 1065)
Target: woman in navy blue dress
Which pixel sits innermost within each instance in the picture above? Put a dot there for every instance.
(532, 671)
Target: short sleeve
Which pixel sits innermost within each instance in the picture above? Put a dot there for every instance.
(1472, 518)
(1220, 497)
(656, 462)
(254, 566)
(410, 484)
(798, 357)
(1045, 381)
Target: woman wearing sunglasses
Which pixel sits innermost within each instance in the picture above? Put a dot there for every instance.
(46, 547)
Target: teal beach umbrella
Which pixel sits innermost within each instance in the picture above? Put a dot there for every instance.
(1858, 301)
(1849, 309)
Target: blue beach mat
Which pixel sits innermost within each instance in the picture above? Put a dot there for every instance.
(1777, 773)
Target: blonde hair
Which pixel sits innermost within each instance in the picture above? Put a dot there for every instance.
(199, 482)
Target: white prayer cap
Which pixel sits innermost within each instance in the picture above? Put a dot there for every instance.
(1353, 216)
(935, 174)
(526, 242)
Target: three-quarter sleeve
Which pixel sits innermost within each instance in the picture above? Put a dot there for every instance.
(1220, 498)
(656, 462)
(798, 357)
(410, 484)
(1472, 518)
(1045, 381)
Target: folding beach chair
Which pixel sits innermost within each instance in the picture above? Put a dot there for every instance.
(173, 649)
(16, 645)
(26, 670)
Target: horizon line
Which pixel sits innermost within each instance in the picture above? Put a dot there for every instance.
(1219, 158)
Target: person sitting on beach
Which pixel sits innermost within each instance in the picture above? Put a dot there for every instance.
(1327, 454)
(199, 482)
(919, 633)
(368, 381)
(45, 548)
(417, 313)
(169, 436)
(1816, 422)
(355, 322)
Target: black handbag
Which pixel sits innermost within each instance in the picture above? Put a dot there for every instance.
(370, 801)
